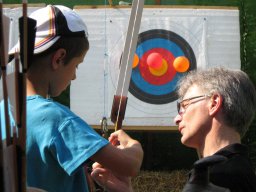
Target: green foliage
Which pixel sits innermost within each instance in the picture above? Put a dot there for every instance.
(250, 140)
(116, 2)
(248, 38)
(248, 59)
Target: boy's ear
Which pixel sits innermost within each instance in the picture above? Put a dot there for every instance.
(58, 58)
(215, 103)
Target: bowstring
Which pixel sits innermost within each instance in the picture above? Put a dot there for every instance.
(105, 63)
(129, 53)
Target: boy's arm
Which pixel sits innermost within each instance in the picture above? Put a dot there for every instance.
(125, 158)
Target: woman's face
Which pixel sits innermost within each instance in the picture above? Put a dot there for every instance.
(193, 119)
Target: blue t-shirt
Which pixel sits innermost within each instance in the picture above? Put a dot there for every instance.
(58, 143)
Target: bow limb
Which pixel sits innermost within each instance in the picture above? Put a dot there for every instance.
(120, 97)
(27, 30)
(4, 37)
(4, 31)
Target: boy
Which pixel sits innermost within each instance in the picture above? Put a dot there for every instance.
(59, 142)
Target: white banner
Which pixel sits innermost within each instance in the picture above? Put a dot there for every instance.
(206, 37)
(212, 34)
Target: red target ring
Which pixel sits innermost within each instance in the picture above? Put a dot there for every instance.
(148, 76)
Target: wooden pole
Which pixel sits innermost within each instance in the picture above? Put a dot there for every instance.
(1, 144)
(158, 2)
(22, 139)
(110, 2)
(4, 29)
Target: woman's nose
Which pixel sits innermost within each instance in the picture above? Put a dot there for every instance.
(74, 77)
(177, 119)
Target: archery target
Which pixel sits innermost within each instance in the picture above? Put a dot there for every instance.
(155, 87)
(152, 91)
(148, 86)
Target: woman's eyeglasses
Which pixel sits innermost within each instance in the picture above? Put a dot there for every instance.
(183, 104)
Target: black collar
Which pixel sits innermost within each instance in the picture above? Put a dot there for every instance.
(233, 149)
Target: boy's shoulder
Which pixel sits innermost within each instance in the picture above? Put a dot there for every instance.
(49, 107)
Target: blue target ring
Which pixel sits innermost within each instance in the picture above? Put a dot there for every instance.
(173, 46)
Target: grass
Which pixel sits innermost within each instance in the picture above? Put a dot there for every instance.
(153, 181)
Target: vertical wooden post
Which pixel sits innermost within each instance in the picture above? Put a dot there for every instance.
(110, 2)
(1, 144)
(158, 2)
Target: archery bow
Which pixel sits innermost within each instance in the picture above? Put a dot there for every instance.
(27, 28)
(120, 97)
(23, 24)
(4, 21)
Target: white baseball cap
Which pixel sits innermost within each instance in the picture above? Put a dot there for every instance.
(54, 21)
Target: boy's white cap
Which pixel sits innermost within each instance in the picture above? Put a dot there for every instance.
(54, 21)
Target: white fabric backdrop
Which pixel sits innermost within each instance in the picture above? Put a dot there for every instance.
(213, 34)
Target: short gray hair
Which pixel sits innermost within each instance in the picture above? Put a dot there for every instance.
(237, 90)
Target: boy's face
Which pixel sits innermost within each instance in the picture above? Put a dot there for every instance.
(193, 120)
(65, 74)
